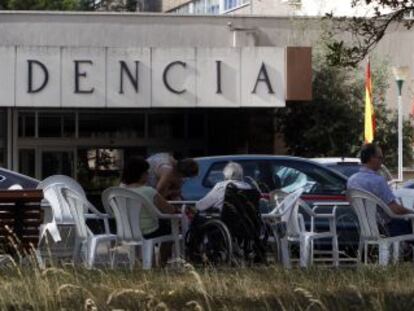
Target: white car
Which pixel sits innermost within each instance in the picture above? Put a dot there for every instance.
(349, 166)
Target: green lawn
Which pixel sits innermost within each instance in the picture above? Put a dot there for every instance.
(261, 288)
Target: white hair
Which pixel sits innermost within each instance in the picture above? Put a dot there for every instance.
(233, 171)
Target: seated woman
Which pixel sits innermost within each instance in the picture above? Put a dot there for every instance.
(134, 177)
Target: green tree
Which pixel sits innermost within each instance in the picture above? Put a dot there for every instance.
(69, 5)
(365, 33)
(60, 5)
(332, 123)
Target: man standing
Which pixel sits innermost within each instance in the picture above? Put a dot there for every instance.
(367, 179)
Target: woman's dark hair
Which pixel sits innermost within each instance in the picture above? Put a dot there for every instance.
(368, 151)
(133, 170)
(187, 167)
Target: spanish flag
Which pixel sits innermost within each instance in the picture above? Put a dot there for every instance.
(369, 128)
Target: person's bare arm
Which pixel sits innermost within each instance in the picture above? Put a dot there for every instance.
(164, 181)
(163, 205)
(398, 209)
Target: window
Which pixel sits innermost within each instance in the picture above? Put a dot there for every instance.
(27, 162)
(201, 7)
(56, 124)
(196, 125)
(231, 4)
(3, 137)
(106, 125)
(166, 125)
(254, 171)
(26, 124)
(283, 175)
(314, 179)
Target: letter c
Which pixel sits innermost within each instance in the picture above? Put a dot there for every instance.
(165, 80)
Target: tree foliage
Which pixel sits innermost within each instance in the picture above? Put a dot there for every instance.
(365, 32)
(332, 123)
(70, 5)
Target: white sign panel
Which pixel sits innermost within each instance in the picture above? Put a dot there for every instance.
(7, 73)
(38, 73)
(265, 87)
(218, 84)
(83, 77)
(142, 77)
(129, 78)
(173, 77)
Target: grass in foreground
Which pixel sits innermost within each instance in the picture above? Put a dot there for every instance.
(262, 288)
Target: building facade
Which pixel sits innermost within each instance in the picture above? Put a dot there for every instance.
(82, 92)
(267, 7)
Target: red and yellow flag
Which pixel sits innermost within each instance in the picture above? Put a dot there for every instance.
(369, 128)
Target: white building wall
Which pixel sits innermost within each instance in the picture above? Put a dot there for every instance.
(167, 30)
(310, 8)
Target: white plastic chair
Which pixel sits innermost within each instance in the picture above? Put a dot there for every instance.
(59, 223)
(56, 211)
(406, 197)
(84, 237)
(365, 205)
(15, 187)
(126, 206)
(288, 212)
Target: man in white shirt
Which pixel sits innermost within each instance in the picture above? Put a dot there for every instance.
(233, 173)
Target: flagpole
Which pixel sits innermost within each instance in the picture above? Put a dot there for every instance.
(400, 132)
(400, 74)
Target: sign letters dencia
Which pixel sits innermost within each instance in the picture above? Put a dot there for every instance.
(106, 77)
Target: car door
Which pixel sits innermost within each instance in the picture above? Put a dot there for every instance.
(315, 179)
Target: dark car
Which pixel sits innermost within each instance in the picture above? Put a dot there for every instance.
(320, 183)
(350, 166)
(270, 173)
(9, 178)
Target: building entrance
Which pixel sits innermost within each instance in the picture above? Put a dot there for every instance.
(92, 146)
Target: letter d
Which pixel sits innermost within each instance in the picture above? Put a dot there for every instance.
(30, 88)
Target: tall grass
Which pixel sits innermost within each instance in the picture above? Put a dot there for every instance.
(260, 288)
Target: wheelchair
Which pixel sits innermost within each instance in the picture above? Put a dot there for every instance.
(208, 241)
(234, 236)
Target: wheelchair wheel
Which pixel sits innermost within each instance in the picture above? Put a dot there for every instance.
(211, 244)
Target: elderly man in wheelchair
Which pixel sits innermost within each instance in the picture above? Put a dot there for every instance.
(227, 226)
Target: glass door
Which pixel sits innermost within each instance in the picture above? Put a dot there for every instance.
(58, 161)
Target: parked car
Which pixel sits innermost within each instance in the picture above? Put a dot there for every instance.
(349, 166)
(9, 178)
(269, 172)
(287, 174)
(409, 184)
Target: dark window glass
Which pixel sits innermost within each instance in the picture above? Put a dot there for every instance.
(166, 125)
(57, 162)
(255, 172)
(120, 125)
(196, 125)
(26, 124)
(283, 175)
(314, 179)
(2, 157)
(27, 162)
(56, 125)
(3, 124)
